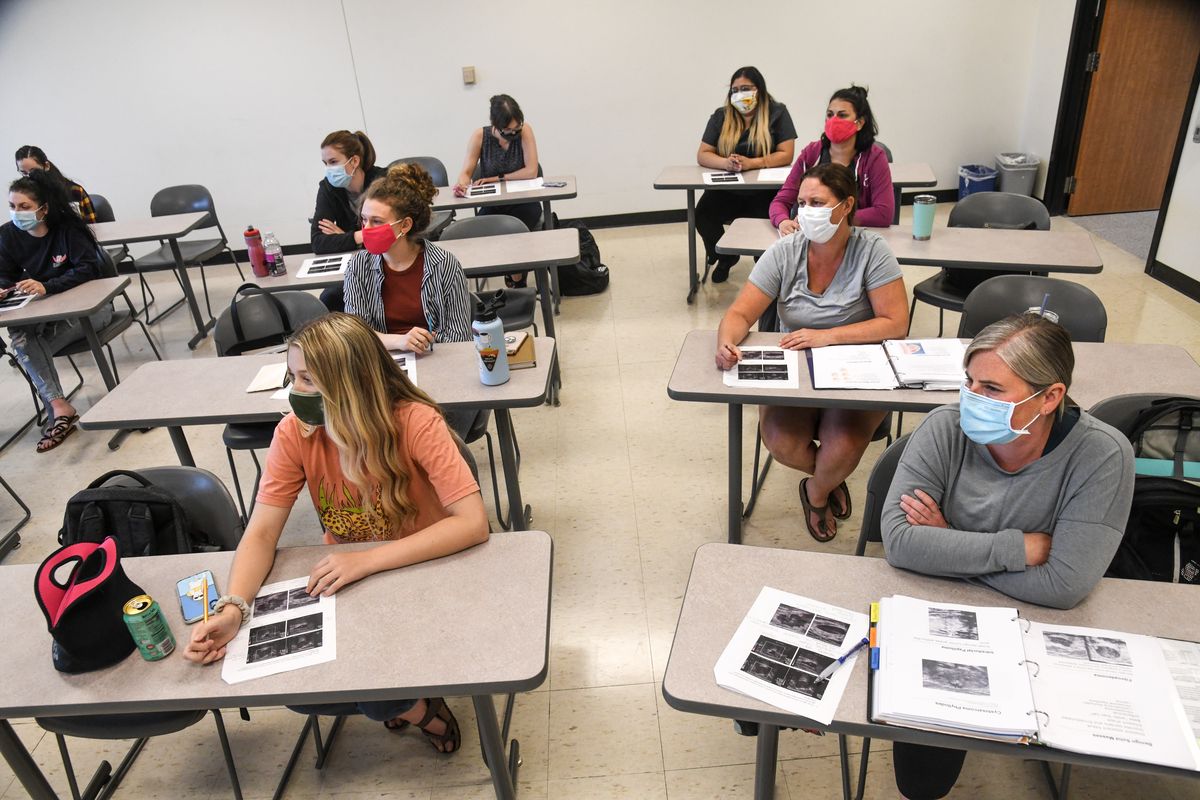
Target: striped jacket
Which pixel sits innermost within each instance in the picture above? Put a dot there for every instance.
(444, 298)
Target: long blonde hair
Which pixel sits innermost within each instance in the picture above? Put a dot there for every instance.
(760, 123)
(362, 386)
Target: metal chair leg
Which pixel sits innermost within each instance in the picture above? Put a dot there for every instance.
(500, 515)
(237, 485)
(912, 309)
(759, 477)
(229, 765)
(257, 480)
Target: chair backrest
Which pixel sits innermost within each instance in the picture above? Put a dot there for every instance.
(185, 199)
(887, 151)
(1078, 308)
(108, 267)
(203, 497)
(102, 208)
(434, 166)
(878, 485)
(1122, 410)
(260, 320)
(487, 225)
(999, 210)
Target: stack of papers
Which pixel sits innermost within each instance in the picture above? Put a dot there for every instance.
(935, 364)
(522, 186)
(852, 366)
(774, 174)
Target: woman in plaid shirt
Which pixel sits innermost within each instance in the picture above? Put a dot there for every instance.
(30, 158)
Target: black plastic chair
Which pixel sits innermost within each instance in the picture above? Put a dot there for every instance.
(104, 213)
(520, 305)
(878, 484)
(185, 199)
(1078, 308)
(948, 290)
(259, 322)
(207, 503)
(1122, 410)
(437, 172)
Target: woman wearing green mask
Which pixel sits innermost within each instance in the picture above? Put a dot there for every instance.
(47, 249)
(752, 130)
(380, 466)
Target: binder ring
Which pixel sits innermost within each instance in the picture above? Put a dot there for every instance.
(1043, 713)
(1027, 662)
(1024, 623)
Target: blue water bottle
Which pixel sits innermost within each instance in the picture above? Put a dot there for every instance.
(489, 341)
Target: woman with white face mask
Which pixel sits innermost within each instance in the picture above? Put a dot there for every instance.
(847, 139)
(1011, 489)
(831, 284)
(752, 130)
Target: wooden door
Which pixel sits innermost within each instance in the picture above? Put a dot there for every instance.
(1139, 91)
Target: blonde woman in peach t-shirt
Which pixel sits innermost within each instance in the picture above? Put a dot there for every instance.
(380, 465)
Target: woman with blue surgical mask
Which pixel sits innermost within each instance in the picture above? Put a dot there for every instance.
(1012, 488)
(47, 249)
(832, 283)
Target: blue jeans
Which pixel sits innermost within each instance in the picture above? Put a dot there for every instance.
(35, 346)
(378, 710)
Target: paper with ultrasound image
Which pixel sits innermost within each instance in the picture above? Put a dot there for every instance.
(765, 367)
(782, 646)
(288, 629)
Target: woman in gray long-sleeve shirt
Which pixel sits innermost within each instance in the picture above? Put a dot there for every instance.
(1009, 489)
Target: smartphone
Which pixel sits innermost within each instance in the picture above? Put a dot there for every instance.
(191, 596)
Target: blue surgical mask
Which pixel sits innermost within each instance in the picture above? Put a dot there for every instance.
(337, 176)
(25, 220)
(988, 421)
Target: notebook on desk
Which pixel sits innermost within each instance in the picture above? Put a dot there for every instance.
(519, 348)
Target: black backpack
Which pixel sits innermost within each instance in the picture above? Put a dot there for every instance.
(1162, 537)
(146, 520)
(264, 333)
(588, 275)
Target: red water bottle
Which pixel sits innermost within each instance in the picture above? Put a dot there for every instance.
(254, 249)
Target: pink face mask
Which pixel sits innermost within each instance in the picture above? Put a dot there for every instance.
(379, 238)
(839, 130)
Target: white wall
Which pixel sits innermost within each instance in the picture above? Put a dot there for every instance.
(1047, 65)
(238, 95)
(1179, 245)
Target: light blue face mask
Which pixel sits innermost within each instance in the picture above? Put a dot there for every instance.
(25, 220)
(337, 176)
(988, 421)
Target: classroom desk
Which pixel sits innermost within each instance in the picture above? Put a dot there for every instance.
(958, 248)
(78, 302)
(691, 179)
(725, 580)
(169, 228)
(1102, 370)
(499, 644)
(211, 391)
(447, 200)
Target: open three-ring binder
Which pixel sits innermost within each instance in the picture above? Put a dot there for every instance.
(988, 673)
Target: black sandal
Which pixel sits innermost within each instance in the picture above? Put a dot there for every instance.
(820, 533)
(396, 725)
(845, 512)
(449, 741)
(60, 428)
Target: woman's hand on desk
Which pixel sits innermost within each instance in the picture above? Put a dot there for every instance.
(788, 227)
(727, 356)
(922, 510)
(209, 638)
(30, 286)
(337, 570)
(328, 226)
(805, 338)
(1037, 548)
(417, 339)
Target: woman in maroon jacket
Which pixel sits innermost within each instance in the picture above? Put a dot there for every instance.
(849, 140)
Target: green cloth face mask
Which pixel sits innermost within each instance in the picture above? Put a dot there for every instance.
(308, 407)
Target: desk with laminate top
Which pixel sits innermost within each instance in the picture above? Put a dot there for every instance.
(726, 579)
(212, 391)
(1102, 370)
(169, 228)
(478, 643)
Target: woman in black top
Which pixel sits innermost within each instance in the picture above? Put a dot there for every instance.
(504, 150)
(349, 160)
(47, 249)
(751, 131)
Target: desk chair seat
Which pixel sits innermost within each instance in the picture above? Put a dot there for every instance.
(940, 292)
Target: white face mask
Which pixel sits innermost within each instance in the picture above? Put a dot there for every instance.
(815, 223)
(745, 100)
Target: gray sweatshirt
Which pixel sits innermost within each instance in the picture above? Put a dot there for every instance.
(1079, 493)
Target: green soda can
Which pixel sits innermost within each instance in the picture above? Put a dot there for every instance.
(148, 627)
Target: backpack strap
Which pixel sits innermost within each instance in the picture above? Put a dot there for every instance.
(247, 290)
(1181, 440)
(126, 473)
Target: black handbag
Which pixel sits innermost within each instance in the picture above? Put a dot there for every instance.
(84, 612)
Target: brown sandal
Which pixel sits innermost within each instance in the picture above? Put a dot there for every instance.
(820, 533)
(436, 708)
(396, 725)
(60, 428)
(845, 512)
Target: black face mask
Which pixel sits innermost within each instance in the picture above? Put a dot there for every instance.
(507, 134)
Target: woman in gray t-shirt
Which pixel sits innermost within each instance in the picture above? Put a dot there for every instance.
(830, 284)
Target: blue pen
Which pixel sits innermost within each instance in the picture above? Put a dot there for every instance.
(825, 673)
(1042, 310)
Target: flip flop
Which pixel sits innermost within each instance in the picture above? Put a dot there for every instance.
(820, 533)
(845, 512)
(57, 433)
